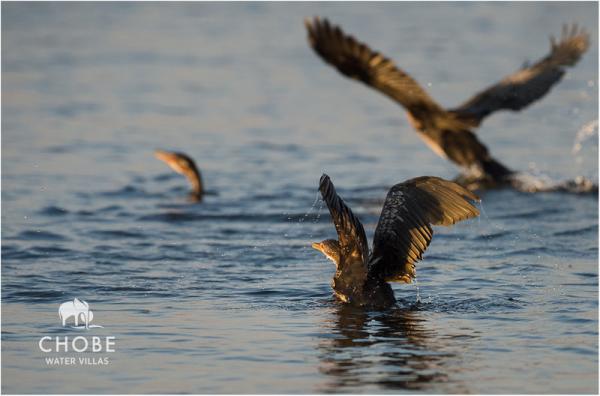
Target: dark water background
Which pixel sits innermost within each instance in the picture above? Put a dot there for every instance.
(227, 295)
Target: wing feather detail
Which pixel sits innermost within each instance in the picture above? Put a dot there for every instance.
(354, 248)
(404, 230)
(531, 83)
(356, 60)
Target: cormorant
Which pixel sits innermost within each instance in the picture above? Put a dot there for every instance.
(448, 131)
(402, 235)
(183, 164)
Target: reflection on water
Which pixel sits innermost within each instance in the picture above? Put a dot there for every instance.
(395, 349)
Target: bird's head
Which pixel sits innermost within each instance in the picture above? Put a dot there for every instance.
(179, 162)
(184, 165)
(330, 248)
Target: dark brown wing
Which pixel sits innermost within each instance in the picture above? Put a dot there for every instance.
(354, 59)
(529, 84)
(464, 148)
(354, 248)
(404, 229)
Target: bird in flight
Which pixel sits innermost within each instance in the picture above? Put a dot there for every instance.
(401, 237)
(448, 132)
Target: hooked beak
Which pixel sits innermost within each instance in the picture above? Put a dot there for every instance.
(170, 159)
(316, 246)
(163, 155)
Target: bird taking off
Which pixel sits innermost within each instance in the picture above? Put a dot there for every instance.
(183, 164)
(448, 132)
(401, 237)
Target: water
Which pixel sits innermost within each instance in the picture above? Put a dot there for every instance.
(227, 295)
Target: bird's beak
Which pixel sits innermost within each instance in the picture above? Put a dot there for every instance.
(316, 246)
(169, 159)
(163, 155)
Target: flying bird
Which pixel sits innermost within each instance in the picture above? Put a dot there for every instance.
(402, 235)
(185, 165)
(448, 132)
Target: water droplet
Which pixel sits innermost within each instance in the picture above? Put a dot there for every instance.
(418, 294)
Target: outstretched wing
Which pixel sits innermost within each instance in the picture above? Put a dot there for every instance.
(354, 248)
(529, 84)
(404, 229)
(356, 60)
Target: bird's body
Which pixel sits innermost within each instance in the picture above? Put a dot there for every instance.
(402, 235)
(185, 165)
(448, 132)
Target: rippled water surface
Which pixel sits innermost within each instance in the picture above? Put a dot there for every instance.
(227, 295)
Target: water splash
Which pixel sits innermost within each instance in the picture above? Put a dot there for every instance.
(318, 216)
(312, 207)
(578, 185)
(418, 300)
(586, 132)
(318, 202)
(483, 212)
(534, 182)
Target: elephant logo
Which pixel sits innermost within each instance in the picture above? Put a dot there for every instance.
(79, 310)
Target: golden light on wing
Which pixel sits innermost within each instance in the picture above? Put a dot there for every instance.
(447, 134)
(404, 230)
(531, 83)
(356, 60)
(354, 248)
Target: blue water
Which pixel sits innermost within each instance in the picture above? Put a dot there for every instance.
(227, 296)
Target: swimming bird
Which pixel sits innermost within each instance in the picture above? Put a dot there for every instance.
(183, 164)
(448, 132)
(402, 235)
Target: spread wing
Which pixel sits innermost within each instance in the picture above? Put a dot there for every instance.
(404, 229)
(354, 248)
(356, 60)
(529, 84)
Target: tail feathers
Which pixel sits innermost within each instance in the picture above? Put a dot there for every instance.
(485, 174)
(495, 169)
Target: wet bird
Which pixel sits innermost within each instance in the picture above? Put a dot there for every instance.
(183, 164)
(402, 235)
(448, 132)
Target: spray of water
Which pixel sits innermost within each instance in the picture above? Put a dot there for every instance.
(418, 300)
(312, 207)
(586, 132)
(317, 202)
(526, 278)
(535, 180)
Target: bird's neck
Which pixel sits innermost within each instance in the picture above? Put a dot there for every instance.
(196, 180)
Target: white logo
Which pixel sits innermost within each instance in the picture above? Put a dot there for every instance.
(67, 350)
(79, 310)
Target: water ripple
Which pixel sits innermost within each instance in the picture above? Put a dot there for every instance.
(53, 211)
(39, 235)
